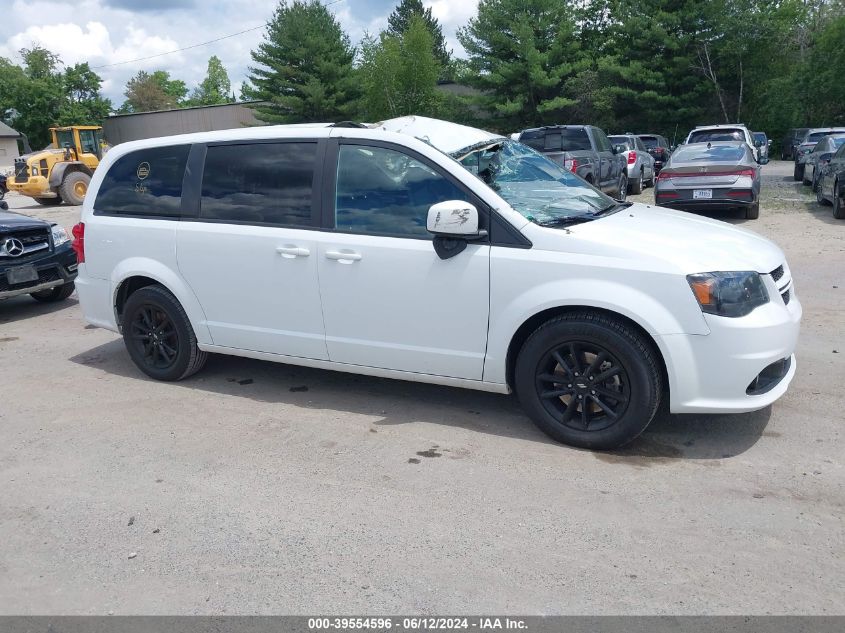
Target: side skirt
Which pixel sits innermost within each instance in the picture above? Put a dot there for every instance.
(478, 385)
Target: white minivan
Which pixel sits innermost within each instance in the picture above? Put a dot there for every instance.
(428, 251)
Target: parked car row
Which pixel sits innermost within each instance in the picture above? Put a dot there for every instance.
(805, 148)
(823, 168)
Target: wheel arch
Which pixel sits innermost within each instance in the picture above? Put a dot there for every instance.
(136, 273)
(533, 322)
(59, 170)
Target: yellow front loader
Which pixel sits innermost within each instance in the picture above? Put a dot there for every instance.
(60, 173)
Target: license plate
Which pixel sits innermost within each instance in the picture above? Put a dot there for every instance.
(21, 275)
(702, 194)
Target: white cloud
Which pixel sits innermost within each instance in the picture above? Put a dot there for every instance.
(103, 32)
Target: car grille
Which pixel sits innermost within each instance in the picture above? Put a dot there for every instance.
(33, 240)
(21, 170)
(45, 275)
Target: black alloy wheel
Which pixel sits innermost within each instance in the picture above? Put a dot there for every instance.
(583, 386)
(158, 335)
(154, 336)
(589, 379)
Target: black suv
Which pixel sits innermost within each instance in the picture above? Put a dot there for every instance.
(658, 147)
(584, 150)
(36, 258)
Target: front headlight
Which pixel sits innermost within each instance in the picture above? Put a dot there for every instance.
(728, 294)
(60, 236)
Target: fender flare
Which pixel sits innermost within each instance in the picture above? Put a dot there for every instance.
(161, 274)
(647, 312)
(57, 174)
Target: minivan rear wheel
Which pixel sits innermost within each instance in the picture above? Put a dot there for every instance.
(159, 336)
(588, 380)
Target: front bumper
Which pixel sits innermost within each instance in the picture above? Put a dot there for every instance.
(35, 187)
(56, 268)
(716, 373)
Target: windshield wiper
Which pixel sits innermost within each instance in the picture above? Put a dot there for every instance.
(613, 207)
(567, 221)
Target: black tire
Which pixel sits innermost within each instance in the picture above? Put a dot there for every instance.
(819, 196)
(59, 293)
(622, 194)
(74, 187)
(49, 202)
(638, 185)
(798, 172)
(159, 336)
(628, 373)
(752, 212)
(838, 203)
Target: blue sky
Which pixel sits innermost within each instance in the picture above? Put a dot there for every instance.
(103, 32)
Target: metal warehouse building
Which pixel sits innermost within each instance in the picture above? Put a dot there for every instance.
(121, 128)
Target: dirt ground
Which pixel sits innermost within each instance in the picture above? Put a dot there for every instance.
(256, 487)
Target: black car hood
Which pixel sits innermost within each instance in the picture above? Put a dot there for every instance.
(10, 221)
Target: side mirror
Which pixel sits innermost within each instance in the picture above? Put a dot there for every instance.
(453, 223)
(4, 206)
(453, 218)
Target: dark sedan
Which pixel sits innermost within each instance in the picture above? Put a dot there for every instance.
(831, 187)
(808, 143)
(704, 176)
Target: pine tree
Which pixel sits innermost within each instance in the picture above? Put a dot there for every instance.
(304, 67)
(521, 53)
(399, 21)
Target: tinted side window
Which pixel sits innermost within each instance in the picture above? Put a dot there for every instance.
(146, 183)
(385, 192)
(640, 145)
(259, 183)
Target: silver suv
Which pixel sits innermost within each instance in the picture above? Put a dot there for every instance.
(639, 164)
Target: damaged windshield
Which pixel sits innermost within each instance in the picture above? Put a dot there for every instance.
(541, 190)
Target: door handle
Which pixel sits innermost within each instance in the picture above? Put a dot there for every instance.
(290, 251)
(344, 257)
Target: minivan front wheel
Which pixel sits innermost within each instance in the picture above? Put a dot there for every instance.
(588, 380)
(159, 336)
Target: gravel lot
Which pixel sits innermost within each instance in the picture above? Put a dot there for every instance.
(263, 488)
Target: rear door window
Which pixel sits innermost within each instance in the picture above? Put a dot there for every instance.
(260, 183)
(534, 139)
(145, 183)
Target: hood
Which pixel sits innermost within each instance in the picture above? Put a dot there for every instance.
(15, 221)
(44, 153)
(691, 243)
(448, 137)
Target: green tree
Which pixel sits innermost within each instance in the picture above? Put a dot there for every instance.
(147, 92)
(399, 73)
(215, 88)
(83, 104)
(303, 67)
(399, 21)
(522, 52)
